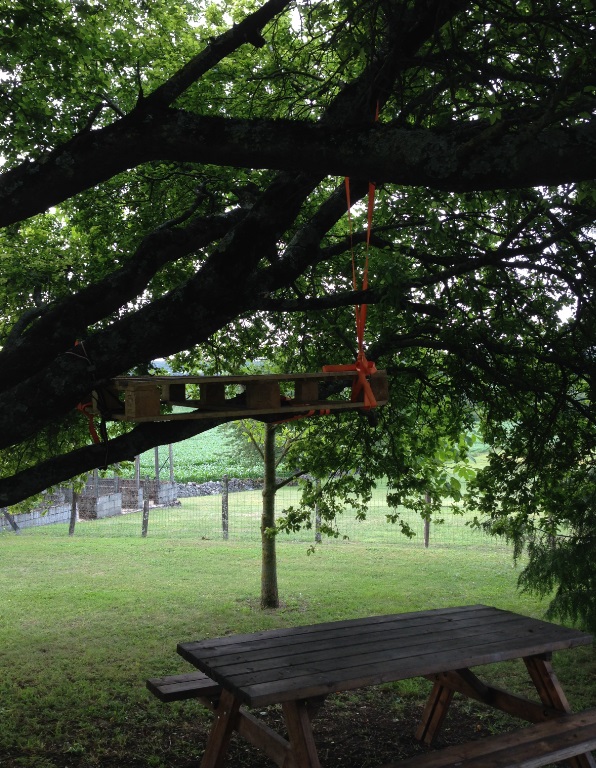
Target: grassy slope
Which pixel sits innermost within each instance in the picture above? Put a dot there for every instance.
(83, 623)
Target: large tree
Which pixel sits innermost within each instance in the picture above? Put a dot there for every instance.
(173, 186)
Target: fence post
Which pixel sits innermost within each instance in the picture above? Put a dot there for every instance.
(224, 506)
(317, 513)
(171, 460)
(426, 523)
(145, 518)
(73, 513)
(11, 520)
(157, 474)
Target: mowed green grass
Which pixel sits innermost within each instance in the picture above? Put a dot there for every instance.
(84, 621)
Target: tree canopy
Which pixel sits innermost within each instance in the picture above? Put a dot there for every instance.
(172, 186)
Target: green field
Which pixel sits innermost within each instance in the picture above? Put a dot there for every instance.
(208, 456)
(213, 454)
(84, 621)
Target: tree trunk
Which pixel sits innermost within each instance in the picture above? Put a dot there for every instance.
(269, 593)
(73, 513)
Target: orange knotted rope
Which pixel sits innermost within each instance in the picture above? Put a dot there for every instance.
(361, 389)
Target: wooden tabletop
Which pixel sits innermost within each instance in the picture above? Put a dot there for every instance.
(310, 661)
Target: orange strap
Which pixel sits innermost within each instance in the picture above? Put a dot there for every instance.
(84, 409)
(361, 389)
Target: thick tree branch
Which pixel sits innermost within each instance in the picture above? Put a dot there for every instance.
(464, 158)
(122, 448)
(68, 319)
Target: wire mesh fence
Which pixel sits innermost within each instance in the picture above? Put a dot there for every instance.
(229, 512)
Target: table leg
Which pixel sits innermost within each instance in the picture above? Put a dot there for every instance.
(303, 751)
(550, 692)
(224, 724)
(434, 713)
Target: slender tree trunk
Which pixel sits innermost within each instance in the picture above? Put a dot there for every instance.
(73, 513)
(318, 513)
(426, 523)
(11, 520)
(269, 593)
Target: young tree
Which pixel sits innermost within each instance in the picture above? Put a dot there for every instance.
(169, 188)
(272, 443)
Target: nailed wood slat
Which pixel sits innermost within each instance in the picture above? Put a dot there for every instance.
(368, 642)
(271, 667)
(262, 395)
(530, 747)
(263, 737)
(465, 682)
(180, 687)
(300, 733)
(123, 382)
(416, 618)
(224, 724)
(242, 413)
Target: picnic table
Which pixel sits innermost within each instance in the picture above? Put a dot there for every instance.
(298, 667)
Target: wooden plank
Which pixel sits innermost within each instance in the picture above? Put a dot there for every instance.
(274, 664)
(396, 634)
(123, 382)
(263, 394)
(310, 679)
(256, 691)
(302, 741)
(180, 687)
(224, 724)
(242, 412)
(530, 747)
(306, 390)
(434, 713)
(322, 652)
(142, 402)
(412, 625)
(263, 675)
(379, 383)
(550, 692)
(264, 738)
(421, 627)
(415, 618)
(465, 682)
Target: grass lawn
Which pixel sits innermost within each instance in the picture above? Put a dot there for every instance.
(84, 622)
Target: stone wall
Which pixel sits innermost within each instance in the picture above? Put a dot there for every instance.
(57, 514)
(132, 497)
(94, 508)
(161, 494)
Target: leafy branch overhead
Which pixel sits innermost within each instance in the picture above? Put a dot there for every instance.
(172, 186)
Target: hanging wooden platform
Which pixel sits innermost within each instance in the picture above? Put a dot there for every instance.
(141, 398)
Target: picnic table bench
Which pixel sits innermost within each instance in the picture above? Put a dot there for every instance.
(298, 667)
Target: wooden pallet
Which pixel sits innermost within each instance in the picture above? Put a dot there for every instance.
(140, 398)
